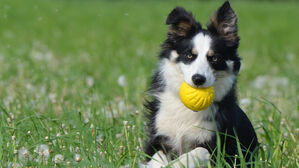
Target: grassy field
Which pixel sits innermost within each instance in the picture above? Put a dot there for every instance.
(73, 76)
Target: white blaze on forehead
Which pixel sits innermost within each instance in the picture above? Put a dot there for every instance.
(201, 44)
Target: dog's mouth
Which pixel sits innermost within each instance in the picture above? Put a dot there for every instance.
(203, 86)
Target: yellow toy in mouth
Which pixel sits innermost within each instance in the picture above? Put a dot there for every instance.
(196, 99)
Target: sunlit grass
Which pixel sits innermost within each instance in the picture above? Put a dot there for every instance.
(73, 76)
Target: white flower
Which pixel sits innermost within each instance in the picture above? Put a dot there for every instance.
(121, 105)
(43, 90)
(87, 116)
(58, 158)
(29, 86)
(122, 81)
(117, 136)
(52, 97)
(43, 152)
(99, 138)
(77, 149)
(91, 126)
(40, 52)
(290, 56)
(8, 100)
(270, 81)
(54, 142)
(260, 82)
(14, 165)
(245, 102)
(23, 154)
(12, 116)
(270, 118)
(89, 81)
(279, 81)
(77, 157)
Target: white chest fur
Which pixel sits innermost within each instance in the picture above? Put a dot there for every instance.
(182, 125)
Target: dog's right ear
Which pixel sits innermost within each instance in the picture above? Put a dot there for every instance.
(181, 22)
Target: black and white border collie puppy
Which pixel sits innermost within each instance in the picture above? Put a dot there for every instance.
(202, 58)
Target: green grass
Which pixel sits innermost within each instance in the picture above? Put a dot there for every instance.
(60, 62)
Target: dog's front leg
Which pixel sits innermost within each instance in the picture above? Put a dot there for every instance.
(198, 157)
(158, 160)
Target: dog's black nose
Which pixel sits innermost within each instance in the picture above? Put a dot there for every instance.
(198, 79)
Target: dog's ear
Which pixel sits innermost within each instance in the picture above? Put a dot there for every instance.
(225, 24)
(181, 22)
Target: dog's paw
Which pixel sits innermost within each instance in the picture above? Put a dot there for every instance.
(201, 153)
(198, 157)
(159, 160)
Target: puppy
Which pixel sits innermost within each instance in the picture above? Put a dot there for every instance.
(202, 58)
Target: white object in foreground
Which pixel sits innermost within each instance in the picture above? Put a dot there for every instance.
(198, 157)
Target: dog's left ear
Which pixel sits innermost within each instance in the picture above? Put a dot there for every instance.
(225, 24)
(181, 22)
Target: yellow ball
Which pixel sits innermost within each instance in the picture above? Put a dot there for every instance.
(196, 99)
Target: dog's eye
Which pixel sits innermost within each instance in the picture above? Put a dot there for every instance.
(214, 58)
(189, 56)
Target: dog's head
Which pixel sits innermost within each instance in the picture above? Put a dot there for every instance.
(203, 56)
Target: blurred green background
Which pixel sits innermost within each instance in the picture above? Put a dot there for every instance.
(78, 69)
